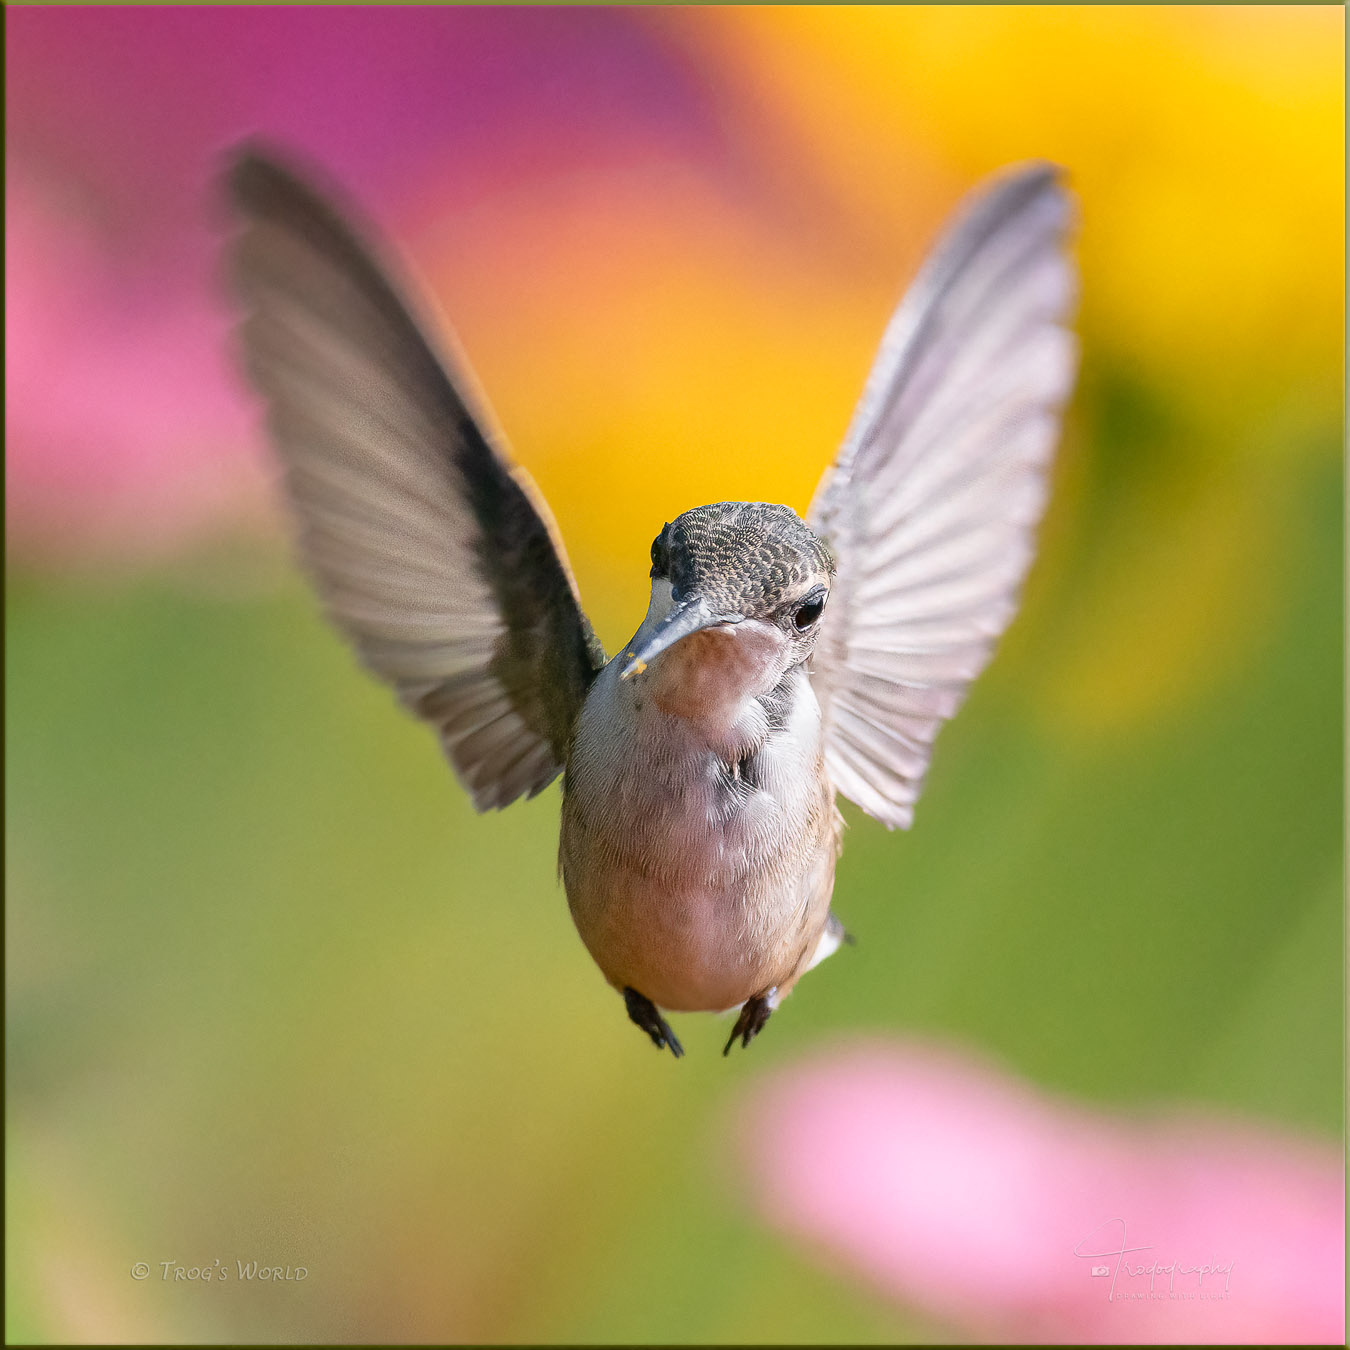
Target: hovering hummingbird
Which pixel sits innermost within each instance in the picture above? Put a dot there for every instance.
(781, 661)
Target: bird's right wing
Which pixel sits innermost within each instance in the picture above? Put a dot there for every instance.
(432, 553)
(932, 502)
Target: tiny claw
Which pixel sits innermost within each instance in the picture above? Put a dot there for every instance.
(642, 1011)
(635, 666)
(754, 1013)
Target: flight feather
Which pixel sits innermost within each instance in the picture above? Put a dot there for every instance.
(931, 505)
(433, 553)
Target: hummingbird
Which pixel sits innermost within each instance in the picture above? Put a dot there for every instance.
(783, 661)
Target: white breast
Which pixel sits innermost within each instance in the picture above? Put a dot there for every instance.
(693, 846)
(698, 835)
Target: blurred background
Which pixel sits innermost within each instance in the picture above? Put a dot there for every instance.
(275, 994)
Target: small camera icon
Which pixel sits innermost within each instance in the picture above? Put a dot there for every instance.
(1101, 1270)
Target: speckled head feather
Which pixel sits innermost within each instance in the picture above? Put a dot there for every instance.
(744, 557)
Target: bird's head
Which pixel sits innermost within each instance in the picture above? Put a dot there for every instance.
(738, 590)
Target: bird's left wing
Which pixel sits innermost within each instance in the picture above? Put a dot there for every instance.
(432, 553)
(931, 504)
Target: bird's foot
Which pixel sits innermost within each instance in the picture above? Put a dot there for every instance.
(643, 1011)
(754, 1013)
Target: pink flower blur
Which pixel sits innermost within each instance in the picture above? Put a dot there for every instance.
(124, 433)
(978, 1199)
(128, 430)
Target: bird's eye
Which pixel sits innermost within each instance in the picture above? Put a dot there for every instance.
(660, 559)
(809, 611)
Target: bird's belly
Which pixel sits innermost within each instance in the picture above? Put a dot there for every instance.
(683, 946)
(697, 893)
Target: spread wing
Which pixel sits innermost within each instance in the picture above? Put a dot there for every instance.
(432, 553)
(931, 505)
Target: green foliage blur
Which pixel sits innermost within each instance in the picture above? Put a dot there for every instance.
(277, 994)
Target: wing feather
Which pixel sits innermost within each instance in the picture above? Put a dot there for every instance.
(931, 504)
(432, 553)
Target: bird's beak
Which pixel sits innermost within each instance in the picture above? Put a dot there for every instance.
(691, 616)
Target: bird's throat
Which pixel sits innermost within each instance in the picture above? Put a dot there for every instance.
(710, 676)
